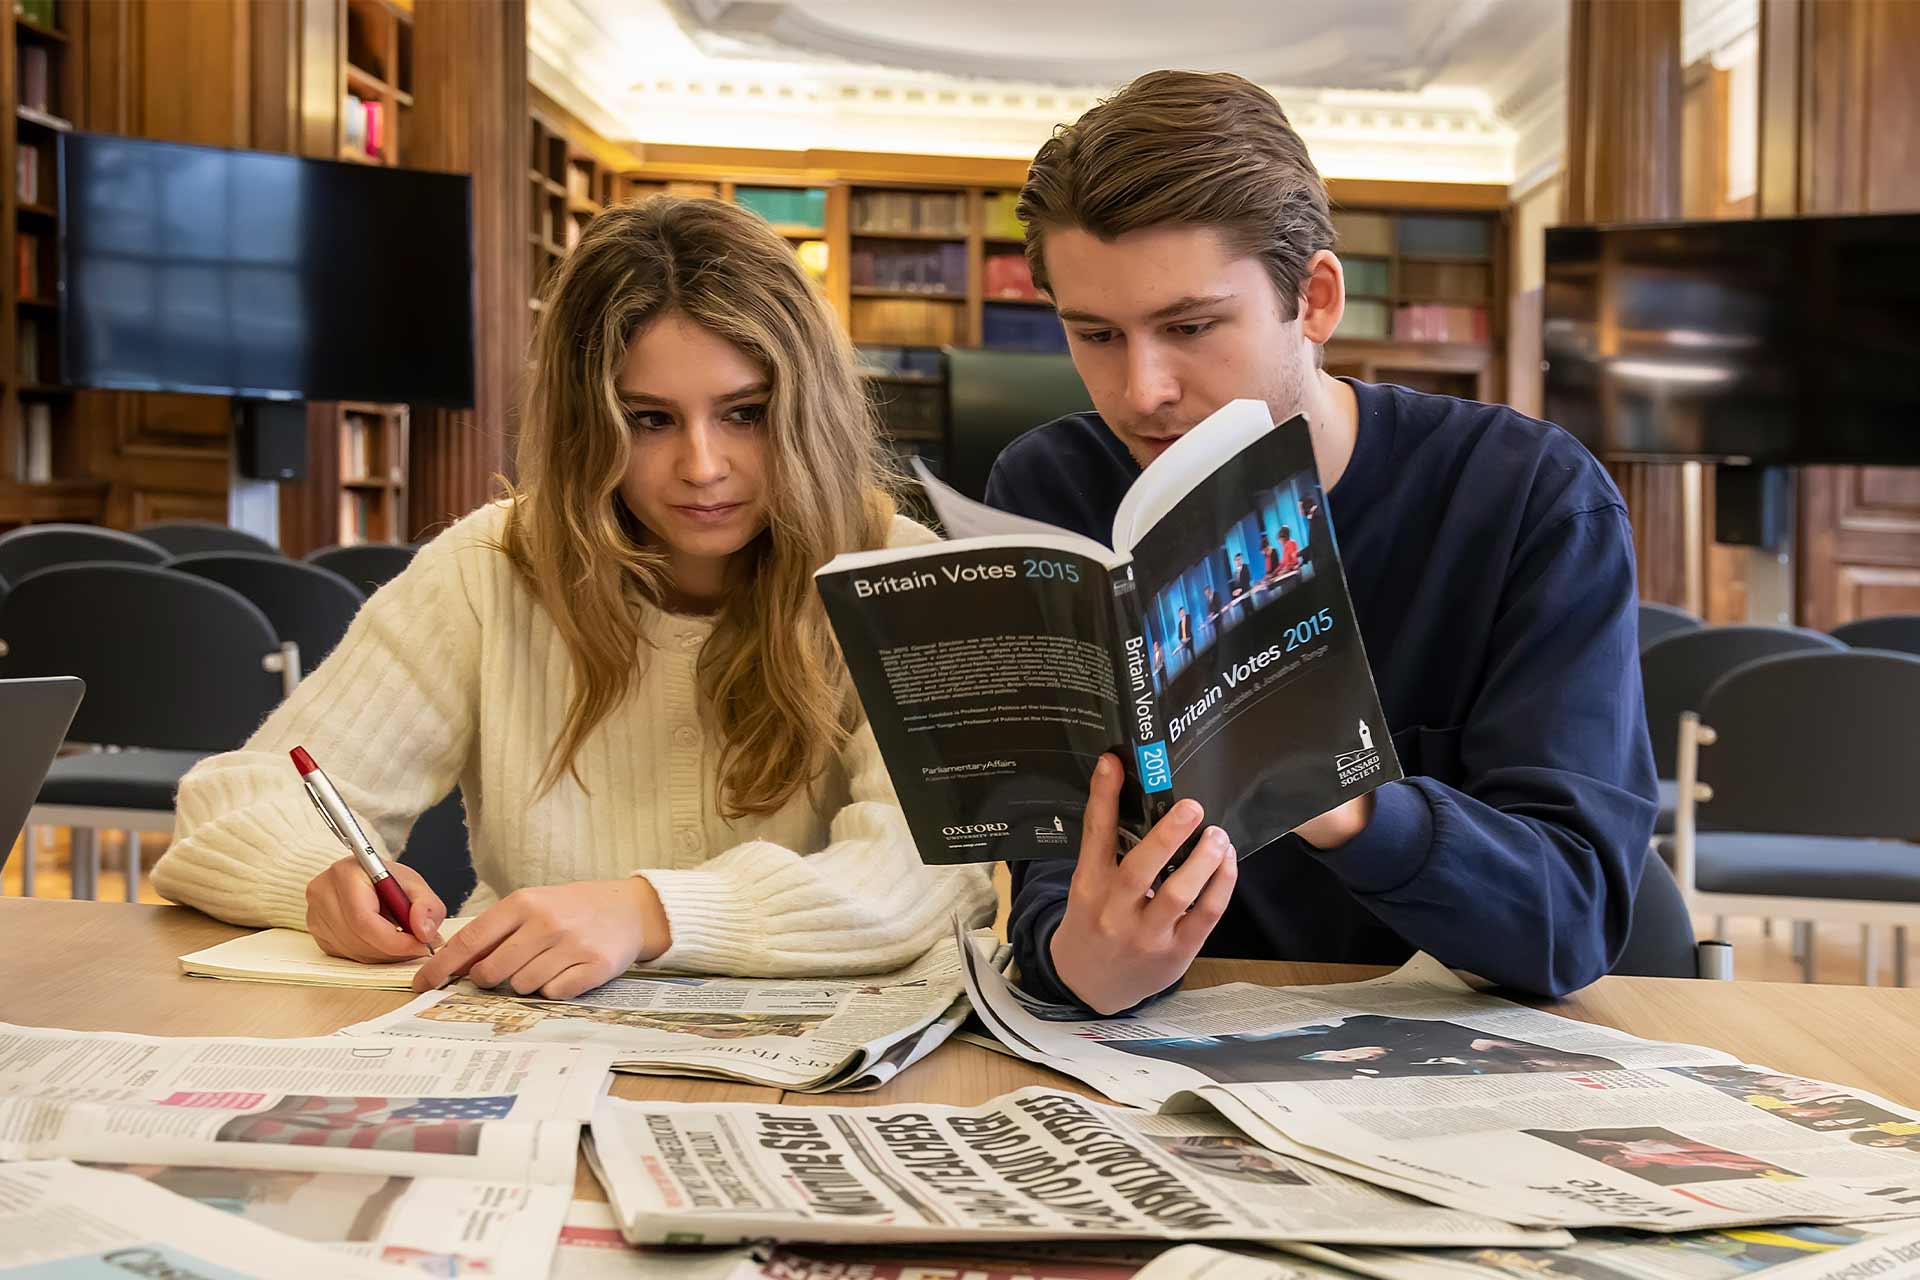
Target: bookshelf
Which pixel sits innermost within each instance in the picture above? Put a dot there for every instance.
(570, 186)
(377, 74)
(1422, 299)
(373, 472)
(43, 463)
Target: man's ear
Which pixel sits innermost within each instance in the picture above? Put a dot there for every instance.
(1323, 296)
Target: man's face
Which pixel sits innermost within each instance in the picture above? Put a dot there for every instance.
(1166, 325)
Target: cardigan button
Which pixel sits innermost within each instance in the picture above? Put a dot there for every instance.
(688, 839)
(689, 639)
(686, 736)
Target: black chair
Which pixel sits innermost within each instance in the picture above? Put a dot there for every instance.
(994, 397)
(1677, 670)
(41, 546)
(1658, 621)
(190, 537)
(437, 849)
(202, 675)
(1805, 765)
(367, 565)
(1897, 631)
(306, 604)
(1660, 941)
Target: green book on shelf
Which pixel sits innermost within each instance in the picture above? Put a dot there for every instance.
(40, 11)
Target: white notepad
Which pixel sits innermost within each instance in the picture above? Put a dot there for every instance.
(292, 956)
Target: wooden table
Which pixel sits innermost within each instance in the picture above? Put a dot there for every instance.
(102, 966)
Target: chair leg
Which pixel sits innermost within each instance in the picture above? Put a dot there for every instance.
(30, 858)
(1720, 927)
(1899, 955)
(1766, 927)
(1869, 957)
(85, 843)
(1803, 948)
(133, 865)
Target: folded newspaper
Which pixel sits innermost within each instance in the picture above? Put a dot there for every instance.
(1417, 1082)
(1037, 1164)
(808, 1035)
(443, 1226)
(58, 1219)
(327, 1105)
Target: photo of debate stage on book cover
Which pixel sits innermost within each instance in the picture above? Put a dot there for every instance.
(1215, 652)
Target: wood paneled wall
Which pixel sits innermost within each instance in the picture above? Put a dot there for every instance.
(1623, 165)
(470, 72)
(1839, 130)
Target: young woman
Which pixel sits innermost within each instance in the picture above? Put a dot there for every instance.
(624, 664)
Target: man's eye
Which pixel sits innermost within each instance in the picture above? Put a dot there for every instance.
(1193, 329)
(1095, 335)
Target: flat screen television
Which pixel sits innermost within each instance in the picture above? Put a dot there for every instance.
(1773, 341)
(244, 273)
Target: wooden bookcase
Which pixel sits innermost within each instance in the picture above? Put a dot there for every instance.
(377, 101)
(373, 472)
(43, 463)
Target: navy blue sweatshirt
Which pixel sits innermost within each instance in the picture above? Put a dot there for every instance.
(1491, 566)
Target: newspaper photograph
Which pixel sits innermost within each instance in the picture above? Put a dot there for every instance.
(62, 1220)
(1036, 1164)
(1202, 1262)
(324, 1105)
(1787, 1252)
(806, 1034)
(440, 1226)
(1665, 1149)
(1418, 1023)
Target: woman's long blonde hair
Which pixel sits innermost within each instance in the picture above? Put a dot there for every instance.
(771, 674)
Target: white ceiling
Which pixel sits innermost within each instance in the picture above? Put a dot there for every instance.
(1464, 90)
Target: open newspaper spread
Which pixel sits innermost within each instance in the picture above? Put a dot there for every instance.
(440, 1226)
(326, 1105)
(805, 1034)
(1417, 1082)
(61, 1220)
(1037, 1164)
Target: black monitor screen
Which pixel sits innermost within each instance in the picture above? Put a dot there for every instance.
(1779, 340)
(243, 273)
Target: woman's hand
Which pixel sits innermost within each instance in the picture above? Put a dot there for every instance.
(558, 940)
(343, 915)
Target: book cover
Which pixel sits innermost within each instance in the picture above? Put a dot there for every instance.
(1215, 652)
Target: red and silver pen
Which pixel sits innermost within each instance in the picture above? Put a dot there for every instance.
(340, 820)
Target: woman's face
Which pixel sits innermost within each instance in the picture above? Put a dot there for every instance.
(697, 475)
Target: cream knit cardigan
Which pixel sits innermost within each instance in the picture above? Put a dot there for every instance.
(454, 672)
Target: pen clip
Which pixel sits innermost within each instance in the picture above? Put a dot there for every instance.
(327, 818)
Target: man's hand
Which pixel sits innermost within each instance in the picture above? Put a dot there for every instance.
(343, 915)
(558, 940)
(1122, 938)
(1337, 826)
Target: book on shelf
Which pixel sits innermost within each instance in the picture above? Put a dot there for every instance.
(37, 11)
(1002, 223)
(376, 113)
(353, 123)
(1439, 322)
(907, 321)
(578, 183)
(929, 212)
(354, 430)
(26, 252)
(1007, 275)
(929, 268)
(37, 464)
(26, 178)
(1213, 648)
(34, 78)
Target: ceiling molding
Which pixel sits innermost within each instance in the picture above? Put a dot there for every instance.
(570, 59)
(1708, 26)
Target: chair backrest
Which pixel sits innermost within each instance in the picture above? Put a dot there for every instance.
(1815, 744)
(189, 537)
(437, 849)
(40, 546)
(1677, 671)
(1658, 621)
(367, 565)
(995, 397)
(36, 713)
(1896, 631)
(171, 661)
(1660, 942)
(306, 604)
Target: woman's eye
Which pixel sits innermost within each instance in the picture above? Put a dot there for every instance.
(647, 420)
(747, 414)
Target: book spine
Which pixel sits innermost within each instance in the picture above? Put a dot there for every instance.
(1149, 765)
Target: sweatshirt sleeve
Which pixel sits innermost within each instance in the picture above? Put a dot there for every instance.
(390, 717)
(863, 904)
(1524, 870)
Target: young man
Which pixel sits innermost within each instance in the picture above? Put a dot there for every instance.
(1183, 234)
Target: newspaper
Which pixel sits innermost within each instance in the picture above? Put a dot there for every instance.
(1037, 1164)
(1200, 1262)
(440, 1226)
(809, 1035)
(1837, 1252)
(1419, 1083)
(326, 1105)
(59, 1219)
